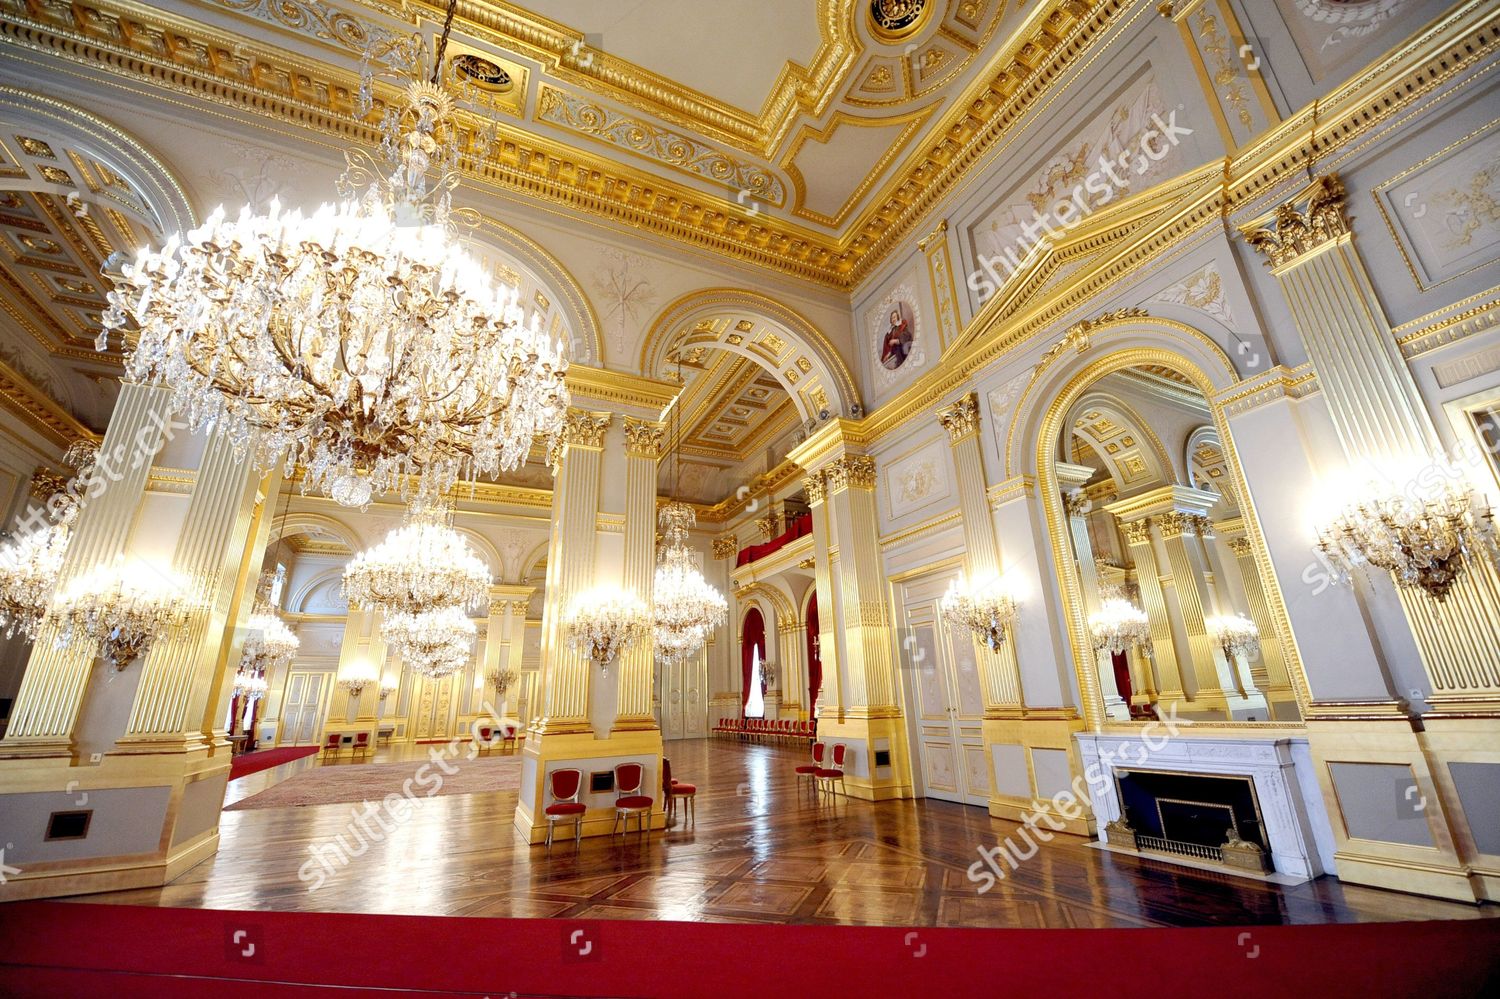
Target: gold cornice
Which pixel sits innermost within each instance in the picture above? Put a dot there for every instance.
(620, 388)
(37, 410)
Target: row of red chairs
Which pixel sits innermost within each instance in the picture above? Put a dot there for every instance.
(767, 729)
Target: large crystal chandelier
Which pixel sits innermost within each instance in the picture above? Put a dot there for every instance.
(1236, 634)
(685, 608)
(434, 643)
(269, 643)
(362, 340)
(1119, 625)
(423, 564)
(1423, 534)
(122, 609)
(29, 566)
(985, 610)
(603, 623)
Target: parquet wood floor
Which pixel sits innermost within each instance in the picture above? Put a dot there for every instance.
(761, 850)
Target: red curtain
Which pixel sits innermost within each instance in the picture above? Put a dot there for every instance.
(752, 637)
(795, 529)
(814, 660)
(1121, 666)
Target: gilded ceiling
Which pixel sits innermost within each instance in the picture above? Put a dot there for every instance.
(809, 138)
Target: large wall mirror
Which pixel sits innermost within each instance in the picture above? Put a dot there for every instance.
(1163, 566)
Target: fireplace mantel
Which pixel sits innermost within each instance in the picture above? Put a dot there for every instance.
(1295, 824)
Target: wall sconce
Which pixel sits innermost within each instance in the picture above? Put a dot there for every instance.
(122, 609)
(985, 609)
(357, 677)
(603, 623)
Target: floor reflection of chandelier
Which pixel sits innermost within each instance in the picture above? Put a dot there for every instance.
(421, 565)
(685, 608)
(1119, 625)
(434, 643)
(985, 610)
(29, 566)
(361, 341)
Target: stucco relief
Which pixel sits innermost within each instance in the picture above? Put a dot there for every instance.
(1445, 211)
(1202, 290)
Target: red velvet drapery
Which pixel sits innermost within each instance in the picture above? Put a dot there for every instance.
(814, 661)
(752, 637)
(795, 529)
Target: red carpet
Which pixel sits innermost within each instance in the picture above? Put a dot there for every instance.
(265, 759)
(73, 949)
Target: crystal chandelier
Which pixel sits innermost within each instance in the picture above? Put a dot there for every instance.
(434, 643)
(1423, 541)
(269, 643)
(685, 608)
(1119, 625)
(250, 686)
(361, 341)
(122, 609)
(423, 564)
(1236, 634)
(501, 680)
(359, 675)
(985, 610)
(603, 623)
(29, 567)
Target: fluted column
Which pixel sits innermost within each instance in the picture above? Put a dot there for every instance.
(998, 668)
(643, 446)
(1214, 680)
(791, 644)
(1270, 672)
(180, 672)
(566, 674)
(46, 707)
(828, 602)
(850, 484)
(1382, 422)
(1071, 477)
(1154, 603)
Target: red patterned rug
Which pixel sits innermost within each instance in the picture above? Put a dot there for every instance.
(341, 782)
(265, 759)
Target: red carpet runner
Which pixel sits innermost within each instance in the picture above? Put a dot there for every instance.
(265, 759)
(74, 949)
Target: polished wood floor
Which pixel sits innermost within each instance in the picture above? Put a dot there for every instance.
(761, 850)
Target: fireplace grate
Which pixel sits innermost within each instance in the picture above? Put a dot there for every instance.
(1179, 848)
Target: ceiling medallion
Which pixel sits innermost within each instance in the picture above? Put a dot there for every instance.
(361, 341)
(896, 19)
(483, 73)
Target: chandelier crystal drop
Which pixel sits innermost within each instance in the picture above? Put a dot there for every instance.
(984, 610)
(1236, 634)
(122, 608)
(604, 623)
(361, 341)
(685, 608)
(1423, 537)
(29, 568)
(434, 643)
(1119, 625)
(421, 565)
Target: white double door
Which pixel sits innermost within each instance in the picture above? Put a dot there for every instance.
(680, 695)
(941, 683)
(302, 708)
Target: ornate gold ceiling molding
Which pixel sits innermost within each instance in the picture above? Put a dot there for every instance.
(797, 90)
(37, 410)
(913, 122)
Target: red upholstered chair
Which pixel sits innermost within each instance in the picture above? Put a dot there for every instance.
(333, 743)
(566, 785)
(628, 780)
(485, 737)
(810, 770)
(509, 734)
(361, 743)
(674, 790)
(826, 777)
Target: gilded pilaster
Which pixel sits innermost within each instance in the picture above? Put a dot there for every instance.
(1269, 672)
(643, 447)
(1071, 477)
(46, 708)
(1154, 602)
(1213, 681)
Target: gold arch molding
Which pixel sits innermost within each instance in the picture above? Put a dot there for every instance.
(779, 339)
(1070, 380)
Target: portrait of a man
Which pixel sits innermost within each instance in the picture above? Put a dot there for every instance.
(896, 347)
